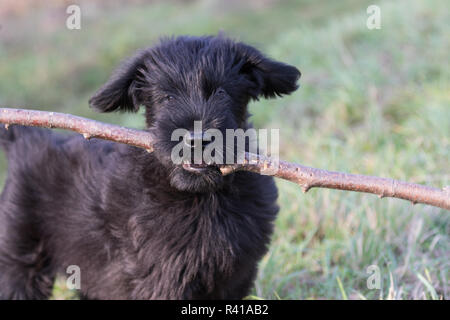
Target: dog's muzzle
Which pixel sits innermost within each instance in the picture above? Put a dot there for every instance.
(200, 139)
(199, 168)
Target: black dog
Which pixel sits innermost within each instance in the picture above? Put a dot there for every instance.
(137, 225)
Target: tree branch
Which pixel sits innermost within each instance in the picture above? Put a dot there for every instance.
(304, 176)
(87, 127)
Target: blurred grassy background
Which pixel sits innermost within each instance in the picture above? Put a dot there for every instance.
(372, 102)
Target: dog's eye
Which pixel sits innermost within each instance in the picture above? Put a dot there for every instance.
(220, 92)
(168, 98)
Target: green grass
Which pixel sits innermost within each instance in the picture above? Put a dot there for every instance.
(371, 102)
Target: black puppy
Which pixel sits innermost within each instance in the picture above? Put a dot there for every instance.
(137, 225)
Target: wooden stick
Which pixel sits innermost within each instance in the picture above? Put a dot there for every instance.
(87, 127)
(304, 176)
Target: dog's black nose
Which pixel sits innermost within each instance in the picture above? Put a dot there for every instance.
(193, 139)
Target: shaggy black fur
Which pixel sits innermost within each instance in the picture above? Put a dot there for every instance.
(138, 226)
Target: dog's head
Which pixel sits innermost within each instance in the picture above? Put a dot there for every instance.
(186, 79)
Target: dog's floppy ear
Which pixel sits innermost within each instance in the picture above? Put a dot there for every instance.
(122, 90)
(270, 78)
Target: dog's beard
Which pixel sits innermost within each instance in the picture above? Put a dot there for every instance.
(207, 180)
